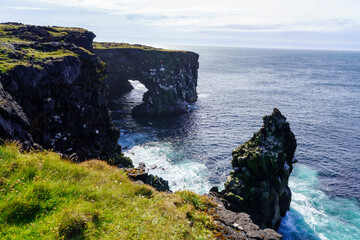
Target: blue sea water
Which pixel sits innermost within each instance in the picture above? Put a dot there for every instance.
(318, 92)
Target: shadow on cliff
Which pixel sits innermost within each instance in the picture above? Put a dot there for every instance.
(136, 131)
(124, 105)
(161, 127)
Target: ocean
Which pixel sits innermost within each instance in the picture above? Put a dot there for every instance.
(318, 92)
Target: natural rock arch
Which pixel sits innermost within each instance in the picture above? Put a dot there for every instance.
(169, 76)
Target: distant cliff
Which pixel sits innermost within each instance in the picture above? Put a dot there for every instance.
(169, 76)
(52, 92)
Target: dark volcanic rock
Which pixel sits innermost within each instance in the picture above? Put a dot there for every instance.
(55, 94)
(14, 124)
(237, 226)
(140, 174)
(169, 76)
(262, 166)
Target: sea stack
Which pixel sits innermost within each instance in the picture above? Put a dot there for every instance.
(262, 166)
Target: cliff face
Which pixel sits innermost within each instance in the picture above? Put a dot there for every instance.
(169, 76)
(14, 124)
(54, 94)
(262, 166)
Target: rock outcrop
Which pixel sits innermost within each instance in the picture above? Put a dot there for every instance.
(169, 76)
(141, 175)
(53, 93)
(237, 225)
(262, 166)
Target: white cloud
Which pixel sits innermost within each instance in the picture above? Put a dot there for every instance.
(269, 15)
(199, 21)
(25, 8)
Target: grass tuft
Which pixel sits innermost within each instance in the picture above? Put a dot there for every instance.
(144, 191)
(198, 201)
(19, 211)
(75, 222)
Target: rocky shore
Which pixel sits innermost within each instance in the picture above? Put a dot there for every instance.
(237, 225)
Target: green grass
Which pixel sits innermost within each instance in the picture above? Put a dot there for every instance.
(9, 31)
(112, 45)
(11, 57)
(69, 29)
(7, 27)
(45, 197)
(17, 46)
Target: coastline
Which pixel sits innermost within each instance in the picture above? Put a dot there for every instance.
(40, 56)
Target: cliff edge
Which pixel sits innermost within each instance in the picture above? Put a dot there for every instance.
(170, 76)
(52, 92)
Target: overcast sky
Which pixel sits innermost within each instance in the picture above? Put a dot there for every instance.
(310, 24)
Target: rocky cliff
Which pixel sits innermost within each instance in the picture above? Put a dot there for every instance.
(169, 76)
(52, 92)
(262, 166)
(237, 225)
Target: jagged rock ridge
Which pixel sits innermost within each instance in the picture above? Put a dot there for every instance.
(169, 76)
(262, 166)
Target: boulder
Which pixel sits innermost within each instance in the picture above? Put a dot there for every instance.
(140, 174)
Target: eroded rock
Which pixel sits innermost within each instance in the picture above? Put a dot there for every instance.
(169, 76)
(237, 225)
(262, 166)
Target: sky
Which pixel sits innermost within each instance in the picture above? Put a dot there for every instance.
(299, 24)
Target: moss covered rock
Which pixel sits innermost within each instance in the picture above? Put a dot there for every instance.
(262, 166)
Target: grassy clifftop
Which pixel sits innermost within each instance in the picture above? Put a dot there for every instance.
(20, 44)
(27, 54)
(112, 45)
(45, 197)
(17, 32)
